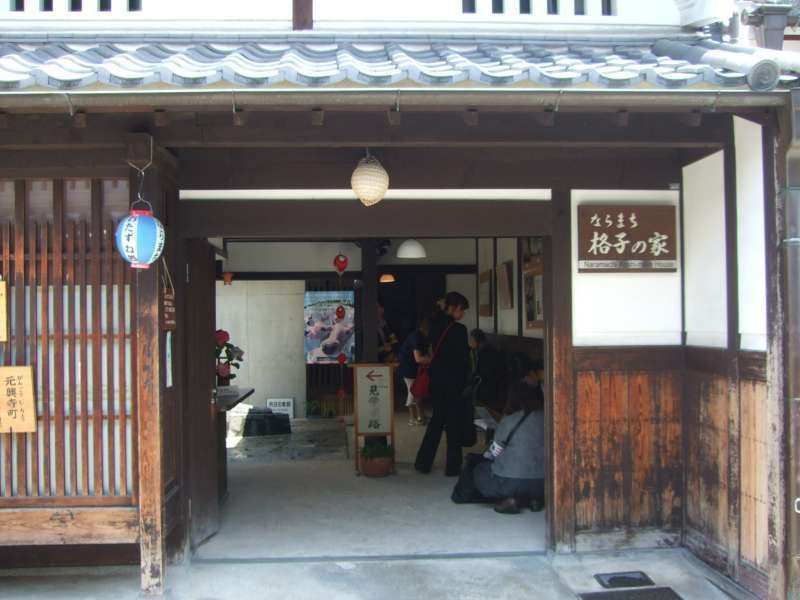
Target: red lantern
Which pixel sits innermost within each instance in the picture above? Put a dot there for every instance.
(342, 358)
(340, 312)
(341, 394)
(340, 262)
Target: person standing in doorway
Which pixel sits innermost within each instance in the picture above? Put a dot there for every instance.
(413, 353)
(449, 369)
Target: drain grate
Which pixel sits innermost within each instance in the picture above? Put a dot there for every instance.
(629, 579)
(656, 593)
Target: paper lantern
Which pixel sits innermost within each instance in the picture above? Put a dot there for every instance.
(140, 238)
(369, 181)
(340, 263)
(227, 278)
(342, 358)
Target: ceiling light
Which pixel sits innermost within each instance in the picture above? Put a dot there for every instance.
(387, 278)
(411, 249)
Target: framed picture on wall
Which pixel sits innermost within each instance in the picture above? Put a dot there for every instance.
(533, 282)
(485, 304)
(505, 285)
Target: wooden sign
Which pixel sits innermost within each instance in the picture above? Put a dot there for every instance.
(374, 403)
(3, 311)
(169, 320)
(625, 238)
(17, 400)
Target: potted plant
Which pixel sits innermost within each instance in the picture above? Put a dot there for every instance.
(377, 459)
(228, 357)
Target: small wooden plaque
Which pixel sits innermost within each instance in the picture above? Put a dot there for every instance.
(169, 320)
(17, 400)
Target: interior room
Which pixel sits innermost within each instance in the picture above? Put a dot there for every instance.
(286, 495)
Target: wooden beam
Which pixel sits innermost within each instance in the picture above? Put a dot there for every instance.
(369, 129)
(389, 219)
(426, 168)
(239, 117)
(160, 118)
(471, 117)
(80, 120)
(96, 525)
(622, 118)
(369, 321)
(546, 118)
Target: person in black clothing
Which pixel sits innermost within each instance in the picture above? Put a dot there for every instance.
(413, 353)
(485, 369)
(448, 373)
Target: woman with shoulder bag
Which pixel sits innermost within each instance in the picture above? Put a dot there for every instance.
(413, 357)
(447, 374)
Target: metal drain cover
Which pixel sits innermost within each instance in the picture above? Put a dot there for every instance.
(628, 579)
(654, 593)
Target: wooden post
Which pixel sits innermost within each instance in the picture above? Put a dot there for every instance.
(733, 542)
(562, 508)
(148, 386)
(302, 14)
(369, 276)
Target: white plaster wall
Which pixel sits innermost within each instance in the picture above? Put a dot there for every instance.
(292, 257)
(623, 309)
(486, 262)
(704, 245)
(508, 319)
(751, 235)
(441, 251)
(465, 284)
(265, 318)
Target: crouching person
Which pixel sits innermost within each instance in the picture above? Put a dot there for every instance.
(511, 472)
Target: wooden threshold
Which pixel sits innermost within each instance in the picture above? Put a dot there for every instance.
(38, 527)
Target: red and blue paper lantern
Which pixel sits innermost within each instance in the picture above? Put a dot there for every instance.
(140, 238)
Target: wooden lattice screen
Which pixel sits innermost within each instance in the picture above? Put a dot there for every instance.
(70, 306)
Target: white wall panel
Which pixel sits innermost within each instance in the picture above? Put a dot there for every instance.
(623, 309)
(751, 235)
(292, 257)
(704, 243)
(265, 318)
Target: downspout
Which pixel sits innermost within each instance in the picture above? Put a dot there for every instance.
(791, 245)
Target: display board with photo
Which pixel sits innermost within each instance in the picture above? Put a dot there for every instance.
(329, 327)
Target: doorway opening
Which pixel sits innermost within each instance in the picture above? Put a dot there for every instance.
(296, 495)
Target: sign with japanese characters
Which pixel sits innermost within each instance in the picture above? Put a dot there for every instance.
(374, 391)
(284, 406)
(17, 404)
(624, 238)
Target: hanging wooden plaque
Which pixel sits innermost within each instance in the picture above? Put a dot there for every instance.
(17, 400)
(169, 319)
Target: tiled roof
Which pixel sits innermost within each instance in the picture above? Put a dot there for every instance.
(64, 67)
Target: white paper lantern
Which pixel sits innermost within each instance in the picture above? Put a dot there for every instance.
(370, 181)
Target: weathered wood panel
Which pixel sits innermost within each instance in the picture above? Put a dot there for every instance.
(754, 464)
(628, 471)
(27, 527)
(706, 428)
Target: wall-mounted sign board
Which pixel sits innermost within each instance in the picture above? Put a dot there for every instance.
(374, 403)
(627, 238)
(169, 320)
(17, 400)
(3, 312)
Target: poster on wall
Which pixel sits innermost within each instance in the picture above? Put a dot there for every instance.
(330, 327)
(627, 238)
(18, 403)
(533, 282)
(505, 279)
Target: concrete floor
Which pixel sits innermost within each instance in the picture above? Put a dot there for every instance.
(300, 525)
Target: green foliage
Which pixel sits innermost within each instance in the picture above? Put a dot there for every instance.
(376, 451)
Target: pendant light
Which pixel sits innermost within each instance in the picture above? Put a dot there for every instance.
(369, 181)
(411, 249)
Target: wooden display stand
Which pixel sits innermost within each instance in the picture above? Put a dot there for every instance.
(373, 389)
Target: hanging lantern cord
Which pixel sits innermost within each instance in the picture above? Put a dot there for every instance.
(140, 191)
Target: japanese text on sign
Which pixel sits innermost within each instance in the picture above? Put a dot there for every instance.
(374, 398)
(17, 402)
(627, 238)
